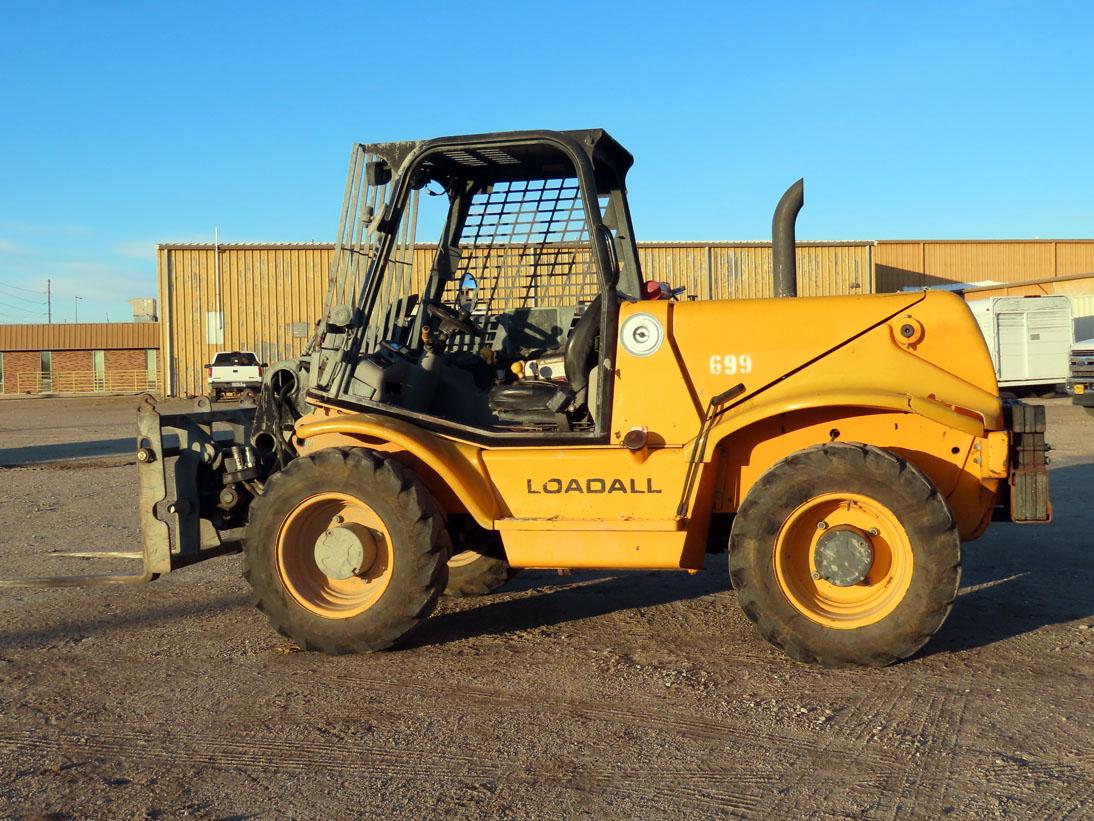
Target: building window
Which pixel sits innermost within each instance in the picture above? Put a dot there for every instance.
(150, 367)
(98, 367)
(45, 372)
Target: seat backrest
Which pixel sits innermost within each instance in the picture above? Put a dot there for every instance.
(580, 347)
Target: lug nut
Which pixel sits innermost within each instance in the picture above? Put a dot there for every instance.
(816, 576)
(822, 525)
(873, 531)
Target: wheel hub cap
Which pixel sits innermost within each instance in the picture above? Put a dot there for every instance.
(843, 557)
(344, 551)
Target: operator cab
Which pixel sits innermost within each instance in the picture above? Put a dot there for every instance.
(500, 328)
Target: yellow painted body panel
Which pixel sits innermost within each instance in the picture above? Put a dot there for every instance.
(595, 507)
(808, 346)
(653, 391)
(626, 549)
(588, 483)
(907, 372)
(455, 464)
(945, 454)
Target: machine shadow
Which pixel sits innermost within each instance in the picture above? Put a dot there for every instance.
(1025, 577)
(560, 600)
(1017, 579)
(39, 454)
(77, 629)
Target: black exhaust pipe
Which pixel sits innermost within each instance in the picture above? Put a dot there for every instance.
(783, 263)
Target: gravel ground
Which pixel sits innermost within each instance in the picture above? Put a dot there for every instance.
(596, 694)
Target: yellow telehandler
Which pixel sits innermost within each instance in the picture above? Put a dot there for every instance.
(528, 400)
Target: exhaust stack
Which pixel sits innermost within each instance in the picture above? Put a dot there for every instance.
(783, 263)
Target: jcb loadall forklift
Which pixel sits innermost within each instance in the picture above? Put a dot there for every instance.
(526, 400)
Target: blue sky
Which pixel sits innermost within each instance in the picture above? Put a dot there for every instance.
(123, 125)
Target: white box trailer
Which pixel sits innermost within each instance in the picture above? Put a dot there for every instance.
(1029, 337)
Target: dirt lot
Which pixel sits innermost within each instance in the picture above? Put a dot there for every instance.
(597, 694)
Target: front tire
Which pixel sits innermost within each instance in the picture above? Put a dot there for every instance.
(845, 555)
(344, 551)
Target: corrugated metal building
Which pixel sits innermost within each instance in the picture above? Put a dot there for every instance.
(261, 298)
(742, 270)
(1029, 267)
(83, 357)
(925, 263)
(267, 297)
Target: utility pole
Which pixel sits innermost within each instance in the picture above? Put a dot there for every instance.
(76, 302)
(49, 301)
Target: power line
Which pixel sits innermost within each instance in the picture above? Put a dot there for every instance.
(24, 299)
(22, 310)
(21, 288)
(38, 314)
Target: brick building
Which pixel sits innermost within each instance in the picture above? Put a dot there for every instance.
(86, 357)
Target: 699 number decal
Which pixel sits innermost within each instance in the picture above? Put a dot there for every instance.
(730, 363)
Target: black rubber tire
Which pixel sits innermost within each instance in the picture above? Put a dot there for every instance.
(894, 483)
(417, 537)
(482, 575)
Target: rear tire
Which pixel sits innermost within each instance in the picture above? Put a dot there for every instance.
(911, 578)
(471, 573)
(372, 607)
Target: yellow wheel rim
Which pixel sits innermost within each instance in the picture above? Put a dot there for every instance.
(306, 583)
(463, 558)
(858, 605)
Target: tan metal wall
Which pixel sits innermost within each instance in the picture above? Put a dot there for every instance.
(743, 270)
(262, 290)
(1075, 285)
(925, 263)
(80, 336)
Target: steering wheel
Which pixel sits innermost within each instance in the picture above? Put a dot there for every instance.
(449, 317)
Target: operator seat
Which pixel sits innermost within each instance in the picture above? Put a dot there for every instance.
(540, 401)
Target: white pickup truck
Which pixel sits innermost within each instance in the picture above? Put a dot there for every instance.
(237, 372)
(1080, 383)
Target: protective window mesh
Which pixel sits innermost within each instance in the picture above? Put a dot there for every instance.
(526, 243)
